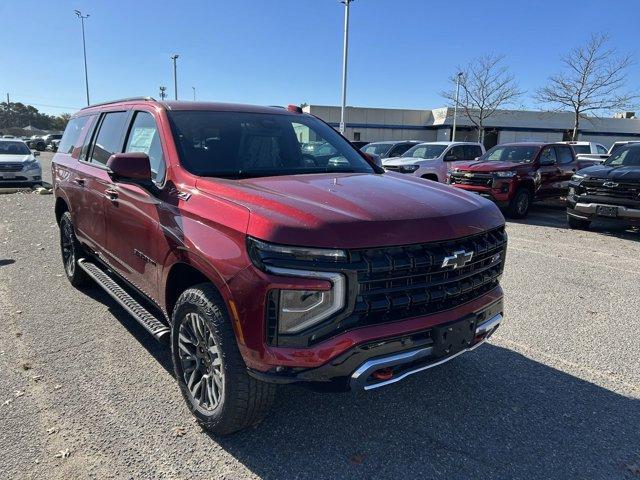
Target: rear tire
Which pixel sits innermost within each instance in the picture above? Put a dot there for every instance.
(71, 252)
(519, 205)
(211, 373)
(578, 223)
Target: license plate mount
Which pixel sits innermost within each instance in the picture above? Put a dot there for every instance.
(606, 211)
(453, 337)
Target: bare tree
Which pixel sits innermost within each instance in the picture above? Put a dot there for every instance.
(485, 86)
(593, 81)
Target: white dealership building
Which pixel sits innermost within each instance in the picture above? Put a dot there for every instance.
(377, 124)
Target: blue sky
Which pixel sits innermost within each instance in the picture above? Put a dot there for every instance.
(288, 51)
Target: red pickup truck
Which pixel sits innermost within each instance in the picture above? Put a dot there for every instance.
(515, 174)
(264, 264)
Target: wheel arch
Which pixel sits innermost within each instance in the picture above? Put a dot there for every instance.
(60, 207)
(430, 176)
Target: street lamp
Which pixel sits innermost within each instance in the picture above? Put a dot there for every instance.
(84, 49)
(174, 57)
(455, 107)
(194, 93)
(345, 52)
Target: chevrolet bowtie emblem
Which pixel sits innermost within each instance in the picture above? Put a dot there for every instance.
(458, 260)
(610, 184)
(468, 174)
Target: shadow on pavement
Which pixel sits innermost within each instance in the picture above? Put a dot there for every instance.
(6, 261)
(554, 215)
(490, 414)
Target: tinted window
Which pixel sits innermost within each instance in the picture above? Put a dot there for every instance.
(472, 152)
(71, 134)
(399, 149)
(548, 156)
(144, 137)
(425, 151)
(601, 149)
(564, 155)
(14, 148)
(581, 149)
(627, 156)
(457, 152)
(109, 139)
(377, 148)
(237, 144)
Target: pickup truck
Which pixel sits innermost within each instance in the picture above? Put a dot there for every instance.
(600, 157)
(608, 190)
(516, 174)
(212, 226)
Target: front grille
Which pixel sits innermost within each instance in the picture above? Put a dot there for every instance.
(611, 189)
(10, 167)
(394, 283)
(476, 179)
(408, 281)
(392, 168)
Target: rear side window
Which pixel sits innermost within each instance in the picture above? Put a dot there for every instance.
(72, 133)
(564, 155)
(399, 149)
(601, 149)
(109, 138)
(144, 137)
(472, 152)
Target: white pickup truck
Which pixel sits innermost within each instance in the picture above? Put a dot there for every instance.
(432, 160)
(595, 151)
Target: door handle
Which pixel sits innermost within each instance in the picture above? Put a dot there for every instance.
(79, 181)
(111, 194)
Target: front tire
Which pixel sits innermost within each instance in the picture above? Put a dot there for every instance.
(71, 252)
(519, 205)
(578, 223)
(211, 373)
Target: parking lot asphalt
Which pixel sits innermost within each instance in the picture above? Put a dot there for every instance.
(87, 393)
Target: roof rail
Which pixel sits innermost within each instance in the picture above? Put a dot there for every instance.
(129, 99)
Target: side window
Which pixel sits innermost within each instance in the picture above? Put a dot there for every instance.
(548, 156)
(71, 134)
(109, 138)
(457, 152)
(564, 155)
(86, 144)
(472, 152)
(144, 137)
(399, 149)
(601, 149)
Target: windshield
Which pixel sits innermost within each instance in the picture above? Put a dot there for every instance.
(624, 157)
(511, 153)
(581, 149)
(240, 145)
(14, 148)
(377, 148)
(425, 151)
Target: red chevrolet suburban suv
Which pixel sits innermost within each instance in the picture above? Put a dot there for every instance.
(212, 226)
(515, 174)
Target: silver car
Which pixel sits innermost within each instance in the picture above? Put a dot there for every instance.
(18, 164)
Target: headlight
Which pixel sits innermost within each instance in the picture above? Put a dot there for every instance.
(410, 168)
(577, 177)
(507, 174)
(301, 309)
(31, 165)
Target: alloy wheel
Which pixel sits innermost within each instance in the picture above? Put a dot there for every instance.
(67, 244)
(201, 362)
(523, 204)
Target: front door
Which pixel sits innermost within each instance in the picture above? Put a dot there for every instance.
(567, 167)
(549, 173)
(135, 246)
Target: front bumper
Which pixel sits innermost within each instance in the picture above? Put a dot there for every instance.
(589, 211)
(501, 192)
(400, 356)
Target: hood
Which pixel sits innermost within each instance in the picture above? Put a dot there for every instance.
(407, 161)
(489, 166)
(15, 158)
(627, 174)
(355, 210)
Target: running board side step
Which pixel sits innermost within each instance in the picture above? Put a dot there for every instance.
(150, 322)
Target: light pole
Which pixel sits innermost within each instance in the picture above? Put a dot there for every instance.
(455, 107)
(345, 52)
(194, 93)
(174, 57)
(84, 49)
(163, 92)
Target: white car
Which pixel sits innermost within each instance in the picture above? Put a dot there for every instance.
(18, 164)
(432, 160)
(587, 148)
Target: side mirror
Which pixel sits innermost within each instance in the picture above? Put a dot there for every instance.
(133, 167)
(476, 159)
(375, 159)
(36, 153)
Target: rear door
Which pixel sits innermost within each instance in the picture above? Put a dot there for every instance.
(135, 247)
